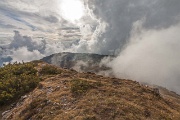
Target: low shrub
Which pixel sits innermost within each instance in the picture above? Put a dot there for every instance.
(78, 86)
(15, 80)
(49, 70)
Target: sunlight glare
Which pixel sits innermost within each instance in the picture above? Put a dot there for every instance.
(72, 9)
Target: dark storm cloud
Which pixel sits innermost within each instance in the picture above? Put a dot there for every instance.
(121, 14)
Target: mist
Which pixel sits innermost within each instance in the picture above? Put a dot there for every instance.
(151, 56)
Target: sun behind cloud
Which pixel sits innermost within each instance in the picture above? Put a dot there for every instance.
(72, 10)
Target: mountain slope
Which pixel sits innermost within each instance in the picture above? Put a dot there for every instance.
(70, 95)
(82, 62)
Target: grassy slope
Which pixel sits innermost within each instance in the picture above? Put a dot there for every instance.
(86, 96)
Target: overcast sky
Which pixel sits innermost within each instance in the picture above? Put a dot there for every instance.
(111, 20)
(35, 18)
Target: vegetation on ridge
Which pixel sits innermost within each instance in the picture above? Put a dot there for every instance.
(79, 86)
(17, 79)
(49, 70)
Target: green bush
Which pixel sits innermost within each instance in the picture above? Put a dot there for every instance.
(16, 80)
(78, 86)
(49, 70)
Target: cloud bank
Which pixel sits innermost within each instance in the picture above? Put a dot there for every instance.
(121, 14)
(151, 57)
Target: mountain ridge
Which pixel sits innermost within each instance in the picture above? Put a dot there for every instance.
(81, 62)
(71, 95)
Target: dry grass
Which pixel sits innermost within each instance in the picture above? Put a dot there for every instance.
(85, 96)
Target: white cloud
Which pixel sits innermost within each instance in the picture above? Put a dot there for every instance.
(23, 54)
(151, 56)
